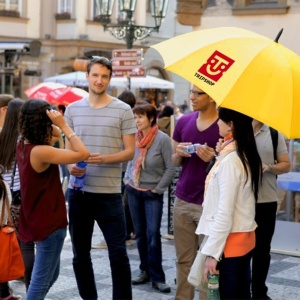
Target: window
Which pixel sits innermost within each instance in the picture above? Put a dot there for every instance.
(11, 5)
(64, 6)
(259, 7)
(96, 11)
(64, 10)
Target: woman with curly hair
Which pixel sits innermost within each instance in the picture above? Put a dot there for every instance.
(43, 216)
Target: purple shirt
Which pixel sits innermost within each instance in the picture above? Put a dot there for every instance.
(190, 185)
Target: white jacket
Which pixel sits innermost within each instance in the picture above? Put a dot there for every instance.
(229, 205)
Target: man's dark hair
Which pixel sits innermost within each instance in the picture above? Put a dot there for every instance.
(5, 99)
(101, 61)
(61, 107)
(127, 97)
(167, 111)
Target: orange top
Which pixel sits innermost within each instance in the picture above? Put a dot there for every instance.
(239, 244)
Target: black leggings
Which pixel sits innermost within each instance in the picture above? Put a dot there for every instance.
(4, 289)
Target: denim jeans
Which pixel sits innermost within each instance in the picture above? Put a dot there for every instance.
(46, 265)
(146, 211)
(235, 277)
(108, 211)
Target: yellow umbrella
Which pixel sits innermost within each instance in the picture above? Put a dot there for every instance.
(241, 70)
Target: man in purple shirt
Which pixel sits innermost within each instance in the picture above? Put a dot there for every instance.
(198, 127)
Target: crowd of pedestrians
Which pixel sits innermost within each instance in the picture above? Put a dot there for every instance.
(225, 202)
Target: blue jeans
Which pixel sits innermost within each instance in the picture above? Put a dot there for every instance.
(46, 265)
(108, 211)
(146, 210)
(235, 277)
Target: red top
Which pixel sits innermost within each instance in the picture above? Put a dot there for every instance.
(43, 208)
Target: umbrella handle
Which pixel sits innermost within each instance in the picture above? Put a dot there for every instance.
(278, 35)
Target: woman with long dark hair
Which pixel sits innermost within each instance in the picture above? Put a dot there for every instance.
(228, 218)
(8, 141)
(43, 216)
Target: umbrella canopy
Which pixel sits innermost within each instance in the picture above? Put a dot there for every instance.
(240, 70)
(79, 79)
(42, 90)
(55, 93)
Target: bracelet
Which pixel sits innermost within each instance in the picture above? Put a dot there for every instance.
(270, 168)
(71, 135)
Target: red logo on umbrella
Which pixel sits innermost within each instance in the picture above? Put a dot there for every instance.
(216, 65)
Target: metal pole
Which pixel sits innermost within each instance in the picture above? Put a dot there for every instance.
(129, 82)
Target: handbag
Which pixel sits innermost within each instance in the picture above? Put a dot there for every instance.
(16, 201)
(11, 260)
(196, 275)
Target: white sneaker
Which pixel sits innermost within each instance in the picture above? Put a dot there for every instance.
(101, 245)
(129, 242)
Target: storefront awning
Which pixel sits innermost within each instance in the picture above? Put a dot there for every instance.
(13, 46)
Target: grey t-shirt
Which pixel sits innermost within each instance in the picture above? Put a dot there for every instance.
(268, 189)
(101, 130)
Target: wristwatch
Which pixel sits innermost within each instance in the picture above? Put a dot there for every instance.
(270, 168)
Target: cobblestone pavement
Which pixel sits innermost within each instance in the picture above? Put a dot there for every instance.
(283, 279)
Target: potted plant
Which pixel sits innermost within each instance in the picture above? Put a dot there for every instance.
(9, 13)
(63, 16)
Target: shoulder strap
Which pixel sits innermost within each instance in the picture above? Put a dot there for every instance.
(13, 176)
(274, 137)
(5, 206)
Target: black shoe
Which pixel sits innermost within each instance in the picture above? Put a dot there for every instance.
(140, 279)
(265, 297)
(162, 287)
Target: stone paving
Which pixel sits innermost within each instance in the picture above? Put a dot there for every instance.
(283, 279)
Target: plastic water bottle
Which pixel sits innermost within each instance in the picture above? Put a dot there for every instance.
(213, 292)
(77, 182)
(191, 148)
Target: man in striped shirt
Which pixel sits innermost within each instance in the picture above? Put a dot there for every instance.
(106, 126)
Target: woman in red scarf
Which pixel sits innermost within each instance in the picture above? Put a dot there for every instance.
(147, 176)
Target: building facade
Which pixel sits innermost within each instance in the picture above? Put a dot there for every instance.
(44, 38)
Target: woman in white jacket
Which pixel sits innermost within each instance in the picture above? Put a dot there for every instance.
(229, 206)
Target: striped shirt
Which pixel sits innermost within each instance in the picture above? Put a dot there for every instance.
(7, 177)
(101, 130)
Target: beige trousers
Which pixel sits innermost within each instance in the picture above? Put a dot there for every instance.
(186, 219)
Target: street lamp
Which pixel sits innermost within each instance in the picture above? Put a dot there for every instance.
(128, 31)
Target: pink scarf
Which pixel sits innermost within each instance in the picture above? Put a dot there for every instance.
(143, 143)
